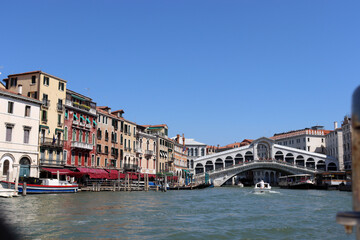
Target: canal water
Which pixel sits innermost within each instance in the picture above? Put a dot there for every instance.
(217, 213)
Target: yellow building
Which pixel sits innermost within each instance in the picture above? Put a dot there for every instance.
(51, 91)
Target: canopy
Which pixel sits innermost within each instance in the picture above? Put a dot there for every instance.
(62, 171)
(114, 174)
(94, 173)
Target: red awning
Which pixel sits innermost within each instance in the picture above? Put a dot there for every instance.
(62, 171)
(94, 173)
(114, 174)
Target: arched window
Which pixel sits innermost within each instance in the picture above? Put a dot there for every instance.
(6, 167)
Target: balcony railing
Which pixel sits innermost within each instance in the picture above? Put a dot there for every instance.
(46, 103)
(88, 125)
(80, 106)
(149, 153)
(60, 107)
(75, 122)
(131, 166)
(82, 145)
(51, 142)
(51, 162)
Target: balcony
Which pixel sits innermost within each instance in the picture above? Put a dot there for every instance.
(130, 167)
(138, 150)
(88, 125)
(51, 142)
(149, 153)
(75, 122)
(60, 107)
(51, 162)
(82, 124)
(82, 107)
(115, 155)
(46, 103)
(81, 145)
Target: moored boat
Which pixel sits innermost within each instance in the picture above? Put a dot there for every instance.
(7, 193)
(299, 181)
(45, 186)
(262, 187)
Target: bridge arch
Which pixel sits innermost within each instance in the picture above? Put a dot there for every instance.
(229, 161)
(289, 158)
(199, 168)
(279, 155)
(321, 165)
(209, 166)
(310, 163)
(300, 161)
(219, 163)
(332, 167)
(239, 158)
(249, 156)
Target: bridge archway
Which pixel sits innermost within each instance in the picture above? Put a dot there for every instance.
(209, 166)
(219, 164)
(263, 150)
(267, 177)
(229, 161)
(272, 178)
(321, 165)
(289, 158)
(239, 159)
(310, 163)
(199, 168)
(332, 167)
(249, 156)
(300, 161)
(279, 156)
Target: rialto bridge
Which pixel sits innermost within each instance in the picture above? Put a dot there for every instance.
(262, 153)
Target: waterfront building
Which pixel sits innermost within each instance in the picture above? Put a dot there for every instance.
(146, 150)
(108, 141)
(334, 145)
(179, 159)
(19, 136)
(131, 161)
(347, 133)
(51, 91)
(79, 130)
(308, 139)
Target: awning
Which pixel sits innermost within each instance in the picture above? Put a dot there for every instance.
(87, 120)
(94, 122)
(77, 97)
(43, 126)
(76, 116)
(62, 171)
(114, 174)
(94, 173)
(59, 130)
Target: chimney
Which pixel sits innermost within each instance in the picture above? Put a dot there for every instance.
(183, 139)
(20, 90)
(335, 125)
(178, 138)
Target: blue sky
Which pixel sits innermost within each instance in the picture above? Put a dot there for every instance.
(217, 71)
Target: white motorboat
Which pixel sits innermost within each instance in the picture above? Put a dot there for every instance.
(262, 187)
(7, 193)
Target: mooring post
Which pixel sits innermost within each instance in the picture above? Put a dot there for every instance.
(8, 179)
(24, 189)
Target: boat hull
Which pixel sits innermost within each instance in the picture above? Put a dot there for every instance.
(299, 186)
(38, 189)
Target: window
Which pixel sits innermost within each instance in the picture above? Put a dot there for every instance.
(66, 114)
(45, 100)
(87, 137)
(46, 81)
(60, 105)
(10, 107)
(309, 148)
(44, 116)
(65, 133)
(61, 86)
(26, 134)
(86, 159)
(27, 111)
(72, 157)
(74, 135)
(13, 82)
(93, 139)
(106, 135)
(92, 160)
(80, 135)
(6, 167)
(9, 128)
(106, 149)
(98, 161)
(65, 156)
(98, 148)
(79, 159)
(33, 80)
(308, 139)
(322, 140)
(106, 162)
(59, 119)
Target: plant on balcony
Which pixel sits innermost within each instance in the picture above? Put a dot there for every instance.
(85, 106)
(76, 103)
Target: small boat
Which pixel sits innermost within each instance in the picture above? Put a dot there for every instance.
(45, 186)
(7, 193)
(262, 187)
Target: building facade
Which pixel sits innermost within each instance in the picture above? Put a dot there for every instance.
(19, 137)
(146, 150)
(79, 130)
(334, 145)
(51, 91)
(131, 160)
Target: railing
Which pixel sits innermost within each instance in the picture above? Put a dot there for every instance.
(88, 125)
(75, 122)
(130, 166)
(51, 142)
(149, 152)
(52, 162)
(46, 103)
(80, 106)
(82, 124)
(82, 145)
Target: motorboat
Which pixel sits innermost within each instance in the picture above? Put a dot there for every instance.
(262, 187)
(45, 186)
(7, 193)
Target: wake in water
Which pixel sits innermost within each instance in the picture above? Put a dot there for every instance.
(261, 193)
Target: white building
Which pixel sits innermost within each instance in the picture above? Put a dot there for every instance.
(347, 132)
(19, 137)
(308, 139)
(334, 145)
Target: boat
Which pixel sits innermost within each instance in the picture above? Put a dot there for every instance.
(45, 186)
(299, 181)
(7, 193)
(337, 180)
(262, 187)
(193, 187)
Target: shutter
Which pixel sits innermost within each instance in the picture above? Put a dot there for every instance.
(8, 133)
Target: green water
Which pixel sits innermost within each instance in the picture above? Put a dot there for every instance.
(218, 213)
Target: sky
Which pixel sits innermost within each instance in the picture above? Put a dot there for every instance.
(217, 71)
